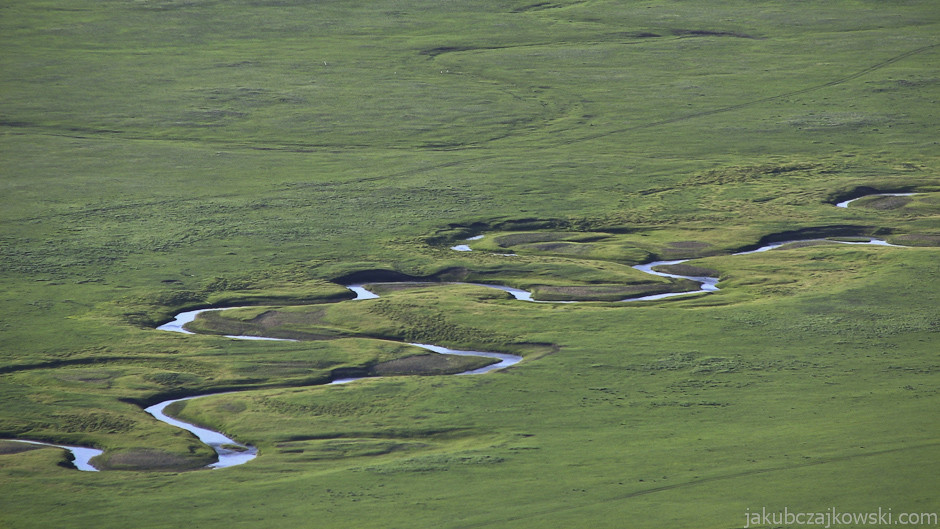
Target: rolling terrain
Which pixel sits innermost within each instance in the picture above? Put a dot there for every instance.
(161, 156)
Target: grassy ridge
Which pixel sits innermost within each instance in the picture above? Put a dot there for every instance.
(166, 155)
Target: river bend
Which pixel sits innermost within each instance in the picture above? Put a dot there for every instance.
(231, 453)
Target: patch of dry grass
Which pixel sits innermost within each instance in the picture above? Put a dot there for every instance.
(430, 364)
(10, 447)
(683, 269)
(607, 292)
(147, 459)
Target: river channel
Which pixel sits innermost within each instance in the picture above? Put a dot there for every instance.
(231, 452)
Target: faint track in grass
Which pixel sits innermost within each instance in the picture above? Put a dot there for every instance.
(435, 52)
(746, 104)
(282, 189)
(697, 482)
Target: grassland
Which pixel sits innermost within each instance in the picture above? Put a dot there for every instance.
(164, 155)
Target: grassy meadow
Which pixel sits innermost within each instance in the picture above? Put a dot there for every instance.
(166, 155)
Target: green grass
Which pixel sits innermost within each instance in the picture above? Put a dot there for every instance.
(167, 155)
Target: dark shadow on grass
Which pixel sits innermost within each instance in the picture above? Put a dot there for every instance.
(817, 232)
(861, 191)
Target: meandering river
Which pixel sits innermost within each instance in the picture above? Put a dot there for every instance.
(231, 453)
(242, 453)
(706, 283)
